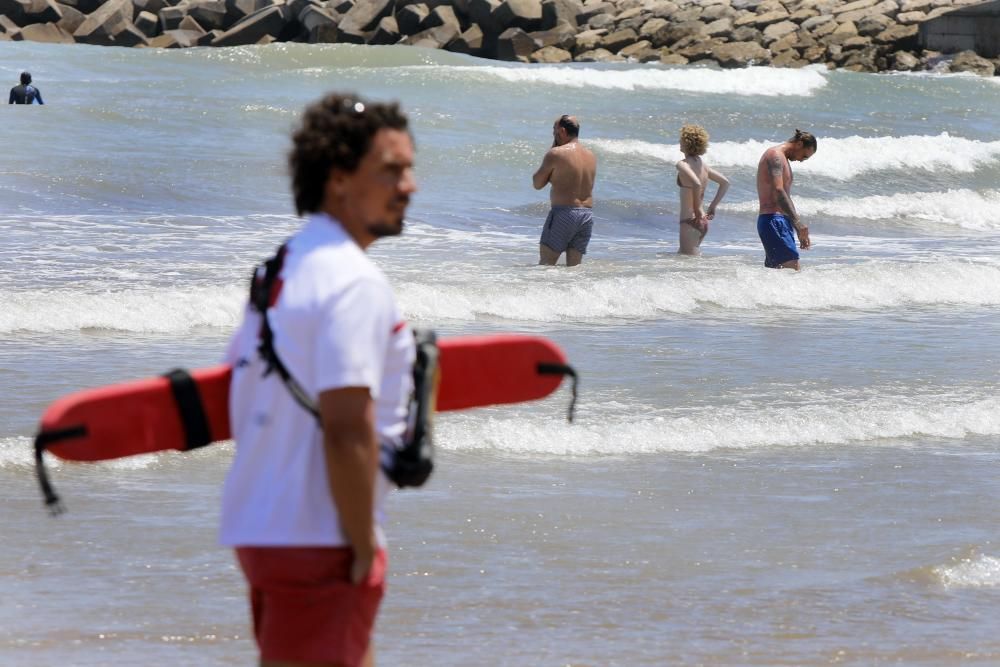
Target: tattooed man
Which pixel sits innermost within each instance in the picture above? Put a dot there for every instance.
(778, 217)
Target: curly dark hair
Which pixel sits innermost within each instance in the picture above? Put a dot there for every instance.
(336, 133)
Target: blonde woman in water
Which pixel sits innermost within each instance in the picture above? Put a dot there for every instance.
(693, 176)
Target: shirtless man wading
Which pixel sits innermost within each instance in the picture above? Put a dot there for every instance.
(777, 215)
(570, 169)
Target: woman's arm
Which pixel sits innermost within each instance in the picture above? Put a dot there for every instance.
(723, 184)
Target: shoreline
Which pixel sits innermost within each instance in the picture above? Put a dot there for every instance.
(861, 36)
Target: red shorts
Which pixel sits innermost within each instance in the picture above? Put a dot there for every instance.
(305, 608)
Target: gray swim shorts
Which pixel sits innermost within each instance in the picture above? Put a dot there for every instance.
(568, 227)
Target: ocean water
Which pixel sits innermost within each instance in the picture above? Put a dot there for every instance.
(769, 468)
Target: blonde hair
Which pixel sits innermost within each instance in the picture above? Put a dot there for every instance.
(694, 140)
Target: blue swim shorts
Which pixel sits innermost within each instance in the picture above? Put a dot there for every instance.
(778, 238)
(568, 227)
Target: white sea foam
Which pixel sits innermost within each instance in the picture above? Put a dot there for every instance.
(173, 310)
(18, 451)
(842, 158)
(885, 421)
(978, 572)
(959, 208)
(738, 288)
(764, 81)
(520, 294)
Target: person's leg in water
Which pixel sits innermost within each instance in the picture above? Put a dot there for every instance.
(547, 256)
(690, 237)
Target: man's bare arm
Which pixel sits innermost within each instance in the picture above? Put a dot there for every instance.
(776, 168)
(544, 174)
(352, 456)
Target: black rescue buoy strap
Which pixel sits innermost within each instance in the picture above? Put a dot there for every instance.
(43, 440)
(546, 368)
(408, 462)
(190, 410)
(262, 294)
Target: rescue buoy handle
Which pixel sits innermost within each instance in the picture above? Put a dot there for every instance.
(43, 440)
(545, 368)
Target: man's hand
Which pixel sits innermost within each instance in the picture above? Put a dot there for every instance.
(362, 564)
(803, 234)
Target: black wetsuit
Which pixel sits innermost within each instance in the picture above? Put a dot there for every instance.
(25, 94)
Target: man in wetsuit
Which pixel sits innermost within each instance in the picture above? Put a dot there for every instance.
(570, 169)
(25, 93)
(777, 216)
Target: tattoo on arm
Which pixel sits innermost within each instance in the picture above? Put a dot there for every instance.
(781, 196)
(775, 167)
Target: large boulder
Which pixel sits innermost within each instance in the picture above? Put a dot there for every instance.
(268, 21)
(171, 17)
(470, 41)
(437, 37)
(147, 23)
(903, 37)
(970, 61)
(13, 10)
(364, 16)
(719, 27)
(45, 32)
(7, 26)
(588, 40)
(618, 40)
(599, 56)
(776, 31)
(515, 44)
(740, 54)
(674, 32)
(84, 6)
(904, 61)
(410, 18)
(641, 51)
(554, 11)
(387, 32)
(854, 6)
(562, 36)
(131, 36)
(601, 21)
(72, 18)
(873, 24)
(319, 24)
(210, 14)
(764, 20)
(650, 27)
(442, 15)
(592, 9)
(908, 18)
(101, 26)
(151, 6)
(42, 11)
(524, 14)
(176, 39)
(481, 14)
(314, 16)
(551, 54)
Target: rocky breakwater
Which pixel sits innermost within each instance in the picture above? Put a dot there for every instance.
(862, 35)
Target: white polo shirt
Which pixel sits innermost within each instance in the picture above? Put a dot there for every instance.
(335, 324)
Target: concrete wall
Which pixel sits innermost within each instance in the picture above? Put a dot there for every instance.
(974, 28)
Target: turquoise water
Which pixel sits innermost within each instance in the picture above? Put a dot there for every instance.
(769, 467)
